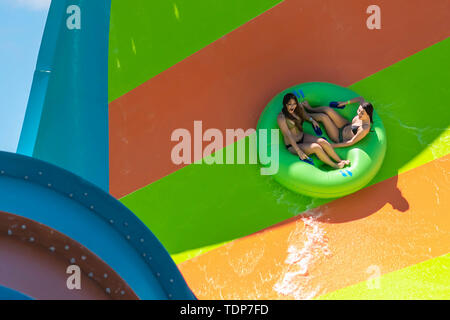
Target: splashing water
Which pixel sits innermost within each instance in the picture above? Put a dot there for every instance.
(301, 257)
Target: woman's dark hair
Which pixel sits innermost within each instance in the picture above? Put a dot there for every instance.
(287, 114)
(367, 106)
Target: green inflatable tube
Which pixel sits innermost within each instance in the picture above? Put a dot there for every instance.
(320, 180)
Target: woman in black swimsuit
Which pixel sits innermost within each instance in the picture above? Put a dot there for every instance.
(290, 121)
(339, 129)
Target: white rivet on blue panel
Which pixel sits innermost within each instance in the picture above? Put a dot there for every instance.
(52, 249)
(83, 257)
(31, 239)
(23, 227)
(66, 247)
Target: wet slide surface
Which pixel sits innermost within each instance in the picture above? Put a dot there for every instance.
(210, 197)
(223, 70)
(228, 83)
(388, 226)
(46, 206)
(426, 280)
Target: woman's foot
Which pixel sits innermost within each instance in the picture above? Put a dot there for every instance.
(343, 163)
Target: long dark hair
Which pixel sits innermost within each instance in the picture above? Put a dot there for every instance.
(367, 106)
(287, 114)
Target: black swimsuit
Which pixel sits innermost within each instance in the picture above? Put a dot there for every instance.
(354, 130)
(299, 141)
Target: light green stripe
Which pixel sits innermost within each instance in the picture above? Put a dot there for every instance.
(426, 280)
(203, 205)
(148, 37)
(183, 256)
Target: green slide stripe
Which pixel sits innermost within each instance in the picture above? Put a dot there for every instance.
(412, 99)
(201, 205)
(426, 280)
(147, 37)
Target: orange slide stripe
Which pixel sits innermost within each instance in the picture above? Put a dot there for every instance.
(228, 83)
(388, 226)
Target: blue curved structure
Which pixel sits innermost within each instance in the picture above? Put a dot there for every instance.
(66, 121)
(10, 294)
(55, 197)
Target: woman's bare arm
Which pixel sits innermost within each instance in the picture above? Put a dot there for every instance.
(354, 100)
(308, 106)
(306, 116)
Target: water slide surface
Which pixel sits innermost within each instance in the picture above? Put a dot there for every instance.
(234, 233)
(238, 192)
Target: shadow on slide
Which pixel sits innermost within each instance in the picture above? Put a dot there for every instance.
(365, 203)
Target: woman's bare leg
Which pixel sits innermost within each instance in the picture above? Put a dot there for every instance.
(326, 146)
(315, 148)
(330, 126)
(338, 120)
